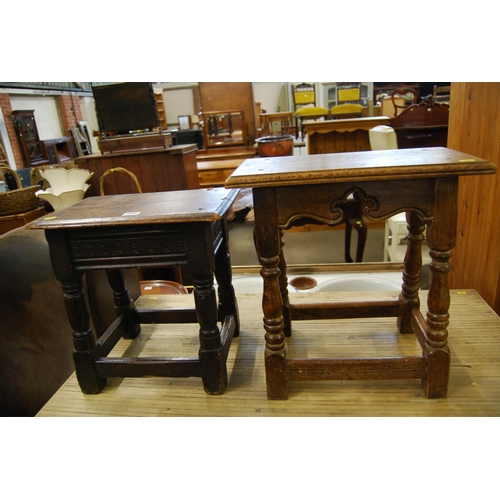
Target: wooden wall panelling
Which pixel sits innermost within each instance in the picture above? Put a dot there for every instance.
(474, 128)
(216, 96)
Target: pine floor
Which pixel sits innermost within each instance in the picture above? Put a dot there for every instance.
(474, 388)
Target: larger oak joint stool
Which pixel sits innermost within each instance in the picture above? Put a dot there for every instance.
(423, 183)
(147, 230)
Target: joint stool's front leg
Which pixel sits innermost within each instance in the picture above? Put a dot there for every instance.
(437, 320)
(83, 336)
(84, 339)
(201, 265)
(441, 238)
(267, 243)
(212, 363)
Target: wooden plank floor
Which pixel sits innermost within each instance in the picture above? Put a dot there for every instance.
(474, 388)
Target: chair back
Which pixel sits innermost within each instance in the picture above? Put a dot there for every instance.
(348, 93)
(303, 94)
(409, 96)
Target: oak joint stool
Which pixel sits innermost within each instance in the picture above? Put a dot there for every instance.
(147, 230)
(423, 182)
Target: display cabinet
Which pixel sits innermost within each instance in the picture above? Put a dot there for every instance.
(29, 140)
(329, 94)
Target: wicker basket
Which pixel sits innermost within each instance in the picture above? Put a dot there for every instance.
(4, 169)
(19, 201)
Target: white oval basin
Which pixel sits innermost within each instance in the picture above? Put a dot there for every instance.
(357, 284)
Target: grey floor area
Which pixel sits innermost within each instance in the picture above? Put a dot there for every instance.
(314, 247)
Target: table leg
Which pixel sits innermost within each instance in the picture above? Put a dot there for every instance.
(409, 298)
(124, 305)
(268, 247)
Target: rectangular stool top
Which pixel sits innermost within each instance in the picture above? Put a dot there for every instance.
(194, 205)
(359, 166)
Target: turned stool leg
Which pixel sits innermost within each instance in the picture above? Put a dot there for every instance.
(223, 273)
(78, 314)
(212, 363)
(83, 336)
(268, 250)
(409, 298)
(283, 281)
(441, 238)
(124, 305)
(201, 266)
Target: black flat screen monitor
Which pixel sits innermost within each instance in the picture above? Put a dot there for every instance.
(126, 107)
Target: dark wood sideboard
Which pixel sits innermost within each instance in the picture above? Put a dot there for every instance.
(160, 169)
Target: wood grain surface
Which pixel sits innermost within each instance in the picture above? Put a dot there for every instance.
(474, 388)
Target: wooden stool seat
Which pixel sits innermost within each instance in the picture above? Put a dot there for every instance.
(147, 230)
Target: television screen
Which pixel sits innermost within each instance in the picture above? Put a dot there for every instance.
(126, 107)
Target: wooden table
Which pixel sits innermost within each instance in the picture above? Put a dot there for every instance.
(421, 182)
(147, 230)
(276, 124)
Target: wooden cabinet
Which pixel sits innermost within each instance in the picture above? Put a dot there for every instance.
(340, 136)
(214, 173)
(29, 140)
(169, 169)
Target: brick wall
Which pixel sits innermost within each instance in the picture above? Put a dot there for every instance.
(69, 106)
(6, 106)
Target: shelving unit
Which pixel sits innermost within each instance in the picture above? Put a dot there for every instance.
(162, 114)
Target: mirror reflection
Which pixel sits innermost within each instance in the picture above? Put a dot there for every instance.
(224, 128)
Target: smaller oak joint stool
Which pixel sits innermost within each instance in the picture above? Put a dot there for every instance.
(147, 230)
